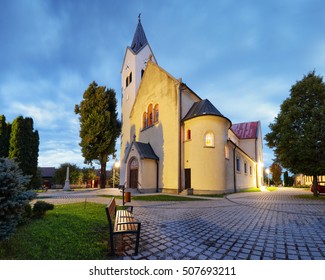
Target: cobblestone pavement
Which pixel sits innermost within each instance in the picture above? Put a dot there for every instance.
(259, 226)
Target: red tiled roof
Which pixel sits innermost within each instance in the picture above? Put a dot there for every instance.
(247, 130)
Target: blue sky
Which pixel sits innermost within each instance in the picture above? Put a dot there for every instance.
(243, 56)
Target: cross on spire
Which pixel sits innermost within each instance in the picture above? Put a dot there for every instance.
(139, 39)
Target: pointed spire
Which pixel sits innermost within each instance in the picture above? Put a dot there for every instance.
(139, 38)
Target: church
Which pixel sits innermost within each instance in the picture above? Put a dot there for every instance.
(173, 140)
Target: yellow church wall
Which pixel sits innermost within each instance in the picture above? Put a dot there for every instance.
(246, 176)
(149, 181)
(230, 167)
(188, 99)
(248, 145)
(158, 87)
(207, 164)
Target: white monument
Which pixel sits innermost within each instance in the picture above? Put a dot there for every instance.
(67, 182)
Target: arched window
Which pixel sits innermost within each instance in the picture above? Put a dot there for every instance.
(144, 120)
(127, 81)
(209, 139)
(150, 115)
(142, 72)
(156, 113)
(134, 164)
(130, 78)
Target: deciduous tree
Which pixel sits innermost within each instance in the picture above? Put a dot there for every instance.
(297, 134)
(276, 171)
(75, 174)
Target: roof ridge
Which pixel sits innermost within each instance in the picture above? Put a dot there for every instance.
(202, 107)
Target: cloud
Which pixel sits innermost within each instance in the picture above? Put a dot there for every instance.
(243, 98)
(56, 156)
(50, 102)
(45, 113)
(242, 56)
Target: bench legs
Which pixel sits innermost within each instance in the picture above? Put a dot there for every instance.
(136, 242)
(111, 239)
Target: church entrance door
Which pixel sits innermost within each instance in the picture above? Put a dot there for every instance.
(134, 173)
(133, 179)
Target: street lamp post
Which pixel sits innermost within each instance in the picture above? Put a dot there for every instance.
(267, 170)
(116, 165)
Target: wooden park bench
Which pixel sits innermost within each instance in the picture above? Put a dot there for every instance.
(122, 222)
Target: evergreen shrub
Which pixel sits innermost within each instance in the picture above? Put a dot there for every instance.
(40, 208)
(13, 197)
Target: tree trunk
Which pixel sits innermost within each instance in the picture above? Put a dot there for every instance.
(315, 185)
(102, 174)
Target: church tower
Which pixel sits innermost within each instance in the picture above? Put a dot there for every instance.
(134, 64)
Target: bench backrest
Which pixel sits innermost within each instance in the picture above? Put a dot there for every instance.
(110, 213)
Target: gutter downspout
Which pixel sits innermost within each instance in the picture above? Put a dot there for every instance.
(257, 166)
(234, 161)
(179, 136)
(157, 187)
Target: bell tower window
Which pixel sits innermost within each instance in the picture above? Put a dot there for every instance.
(128, 80)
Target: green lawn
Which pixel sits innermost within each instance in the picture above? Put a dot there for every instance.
(311, 196)
(69, 232)
(163, 197)
(254, 189)
(271, 189)
(158, 197)
(212, 195)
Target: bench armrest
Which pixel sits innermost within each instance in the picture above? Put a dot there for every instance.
(126, 207)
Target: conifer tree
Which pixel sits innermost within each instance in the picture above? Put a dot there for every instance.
(24, 147)
(99, 126)
(4, 136)
(14, 198)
